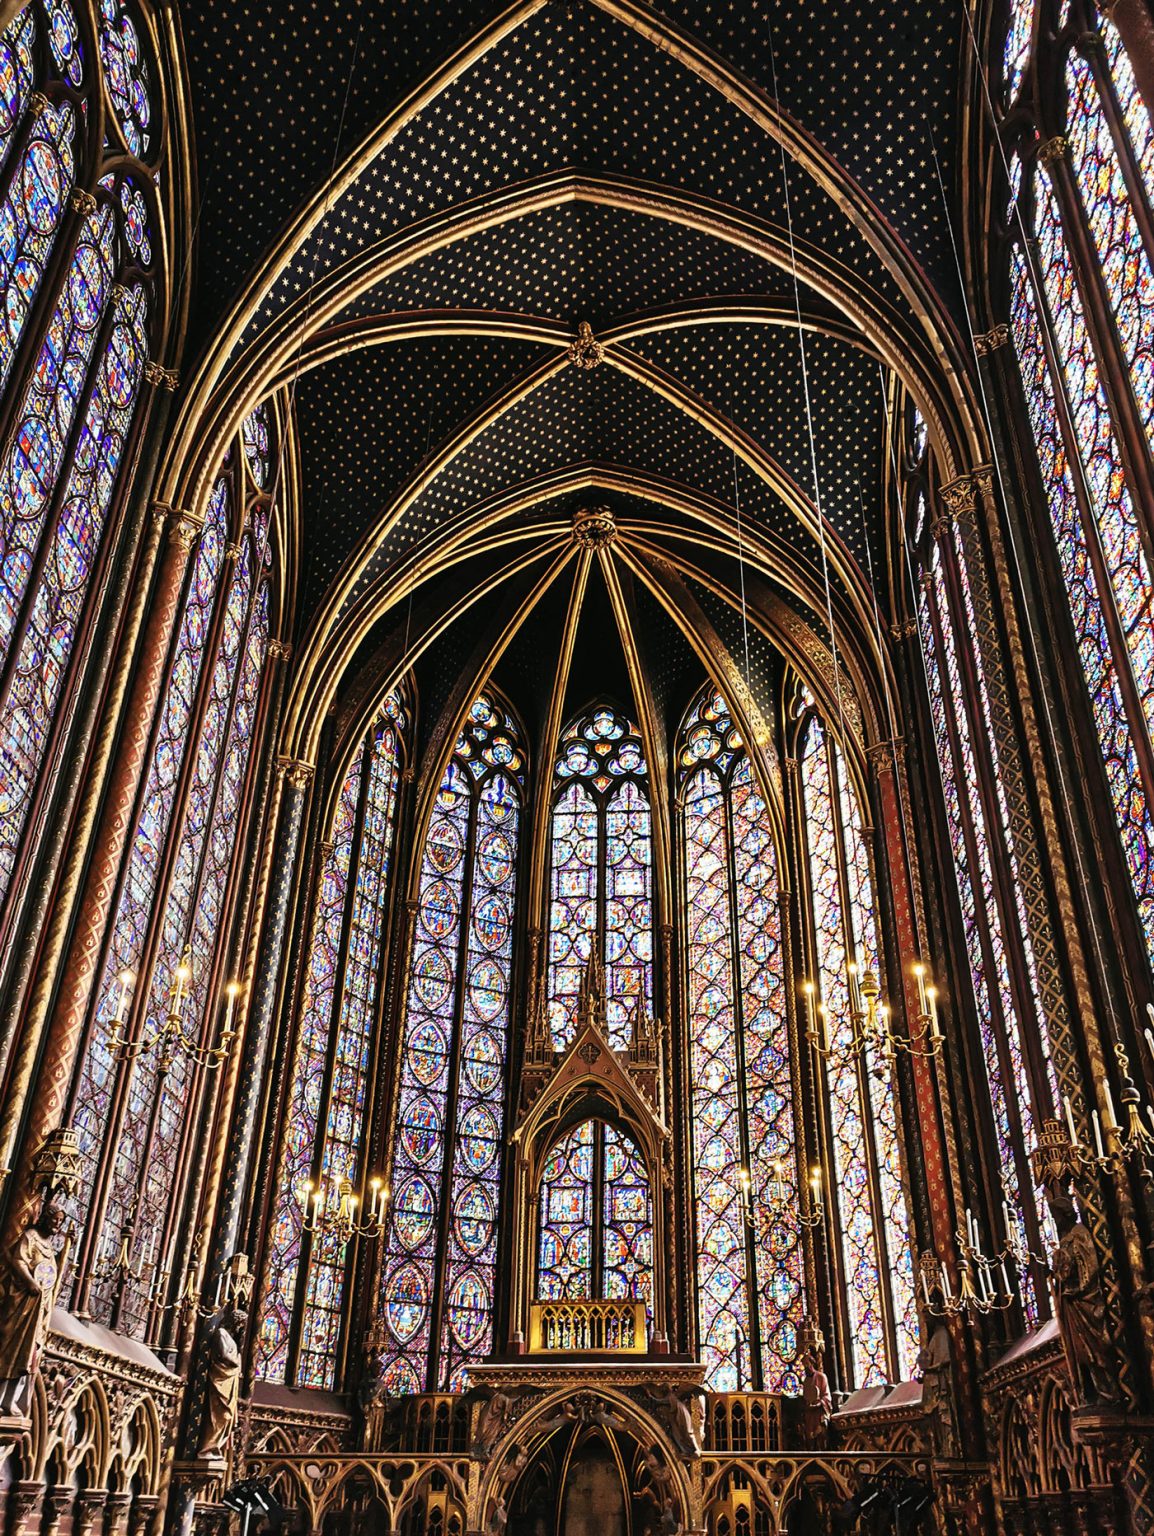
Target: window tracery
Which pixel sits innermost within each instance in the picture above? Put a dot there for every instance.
(74, 381)
(601, 875)
(440, 1247)
(1068, 352)
(330, 1084)
(175, 882)
(872, 1217)
(749, 1262)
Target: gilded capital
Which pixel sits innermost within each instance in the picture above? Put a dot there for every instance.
(279, 650)
(157, 374)
(960, 495)
(990, 341)
(83, 202)
(232, 552)
(1053, 149)
(297, 773)
(37, 104)
(184, 527)
(983, 478)
(906, 630)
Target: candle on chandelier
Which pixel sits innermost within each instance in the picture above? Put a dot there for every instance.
(1070, 1121)
(815, 1187)
(1097, 1133)
(1112, 1123)
(923, 1003)
(810, 1017)
(231, 992)
(854, 987)
(935, 1027)
(120, 1012)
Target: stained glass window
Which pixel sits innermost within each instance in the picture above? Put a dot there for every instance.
(871, 1212)
(1095, 521)
(125, 75)
(93, 1092)
(439, 1269)
(255, 437)
(601, 875)
(17, 72)
(749, 1269)
(974, 850)
(330, 1075)
(595, 1236)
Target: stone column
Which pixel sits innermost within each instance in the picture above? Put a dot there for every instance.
(113, 832)
(236, 1145)
(116, 1514)
(90, 1506)
(24, 1504)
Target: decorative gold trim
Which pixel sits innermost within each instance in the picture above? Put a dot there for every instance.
(989, 341)
(585, 351)
(594, 527)
(298, 773)
(959, 495)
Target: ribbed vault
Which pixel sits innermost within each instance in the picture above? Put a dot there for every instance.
(764, 316)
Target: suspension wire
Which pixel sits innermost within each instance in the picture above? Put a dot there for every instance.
(1011, 532)
(808, 405)
(913, 590)
(741, 570)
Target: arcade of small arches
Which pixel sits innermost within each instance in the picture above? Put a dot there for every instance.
(576, 768)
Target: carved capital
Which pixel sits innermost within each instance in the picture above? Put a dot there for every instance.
(232, 552)
(279, 650)
(298, 773)
(184, 527)
(1053, 149)
(881, 755)
(990, 341)
(983, 478)
(959, 495)
(82, 202)
(906, 630)
(941, 523)
(157, 374)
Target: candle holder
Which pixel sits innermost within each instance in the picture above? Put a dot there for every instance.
(871, 1022)
(775, 1197)
(978, 1292)
(332, 1209)
(171, 1036)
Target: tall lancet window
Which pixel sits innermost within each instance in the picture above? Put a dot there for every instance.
(868, 1205)
(601, 899)
(985, 865)
(1084, 335)
(331, 1084)
(132, 1109)
(745, 1160)
(78, 297)
(439, 1264)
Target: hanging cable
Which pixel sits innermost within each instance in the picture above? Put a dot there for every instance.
(808, 406)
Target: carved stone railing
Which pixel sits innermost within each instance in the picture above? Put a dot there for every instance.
(587, 1328)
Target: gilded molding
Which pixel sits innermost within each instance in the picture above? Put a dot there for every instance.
(989, 341)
